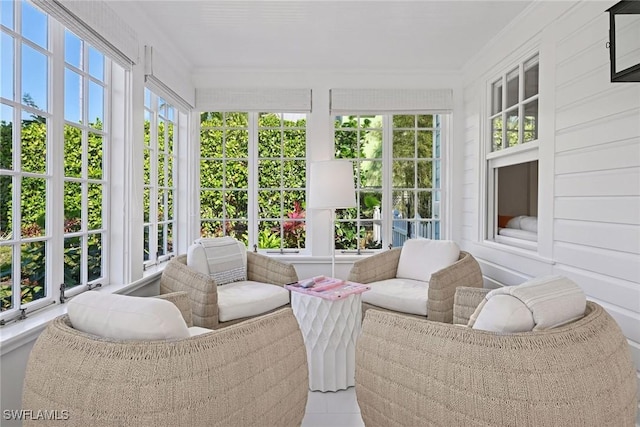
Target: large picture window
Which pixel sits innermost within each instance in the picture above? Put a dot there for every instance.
(397, 168)
(253, 178)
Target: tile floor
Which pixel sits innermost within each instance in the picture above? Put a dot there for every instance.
(333, 409)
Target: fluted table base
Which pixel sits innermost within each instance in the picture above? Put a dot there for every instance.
(330, 330)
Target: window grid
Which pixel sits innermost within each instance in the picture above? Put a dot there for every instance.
(258, 154)
(515, 95)
(160, 160)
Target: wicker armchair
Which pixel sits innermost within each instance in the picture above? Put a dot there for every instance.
(413, 371)
(250, 374)
(203, 290)
(442, 286)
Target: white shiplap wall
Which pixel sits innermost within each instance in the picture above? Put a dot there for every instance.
(589, 158)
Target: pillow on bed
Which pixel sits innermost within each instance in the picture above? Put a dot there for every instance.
(529, 223)
(515, 222)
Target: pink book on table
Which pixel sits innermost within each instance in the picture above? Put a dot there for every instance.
(336, 290)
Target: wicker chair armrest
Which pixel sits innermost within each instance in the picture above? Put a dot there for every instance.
(201, 289)
(381, 266)
(442, 286)
(465, 302)
(265, 269)
(180, 300)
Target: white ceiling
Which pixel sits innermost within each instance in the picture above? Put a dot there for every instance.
(426, 35)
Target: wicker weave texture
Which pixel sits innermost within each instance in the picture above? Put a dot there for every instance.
(415, 372)
(251, 374)
(180, 300)
(465, 302)
(203, 291)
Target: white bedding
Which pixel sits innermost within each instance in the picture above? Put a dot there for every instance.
(519, 234)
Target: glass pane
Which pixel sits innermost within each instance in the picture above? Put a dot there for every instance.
(404, 174)
(95, 206)
(72, 96)
(369, 200)
(72, 262)
(237, 143)
(496, 97)
(161, 135)
(425, 121)
(425, 204)
(404, 121)
(436, 173)
(6, 277)
(146, 200)
(346, 235)
(269, 120)
(400, 232)
(269, 204)
(169, 194)
(236, 204)
(211, 204)
(425, 144)
(170, 112)
(72, 49)
(160, 170)
(371, 174)
(34, 78)
(6, 137)
(531, 121)
(236, 175)
(6, 13)
(161, 240)
(531, 78)
(496, 133)
(72, 151)
(237, 230)
(96, 64)
(145, 244)
(372, 145)
(295, 173)
(211, 229)
(269, 143)
(403, 204)
(367, 239)
(160, 206)
(169, 245)
(236, 119)
(211, 173)
(513, 79)
(34, 24)
(211, 119)
(404, 144)
(170, 171)
(32, 271)
(94, 261)
(96, 105)
(95, 156)
(512, 127)
(6, 209)
(170, 137)
(346, 145)
(72, 207)
(295, 143)
(6, 68)
(269, 235)
(33, 203)
(210, 143)
(425, 174)
(269, 173)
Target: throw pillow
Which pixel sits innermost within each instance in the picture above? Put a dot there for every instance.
(123, 317)
(420, 258)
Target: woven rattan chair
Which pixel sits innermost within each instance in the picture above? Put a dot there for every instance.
(203, 290)
(442, 286)
(250, 374)
(415, 372)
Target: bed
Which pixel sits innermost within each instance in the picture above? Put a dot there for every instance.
(520, 231)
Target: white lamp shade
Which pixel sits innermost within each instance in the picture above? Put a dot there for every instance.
(331, 185)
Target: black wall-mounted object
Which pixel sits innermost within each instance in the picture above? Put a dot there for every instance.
(624, 41)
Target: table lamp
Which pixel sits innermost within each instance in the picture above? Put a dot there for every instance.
(331, 187)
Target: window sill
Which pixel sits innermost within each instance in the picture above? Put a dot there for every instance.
(21, 332)
(527, 253)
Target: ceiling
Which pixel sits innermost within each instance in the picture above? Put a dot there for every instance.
(424, 35)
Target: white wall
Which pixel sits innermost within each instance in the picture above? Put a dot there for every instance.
(589, 157)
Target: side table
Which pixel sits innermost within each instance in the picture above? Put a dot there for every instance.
(330, 328)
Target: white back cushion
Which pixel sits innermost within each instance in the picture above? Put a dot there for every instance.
(123, 317)
(504, 313)
(222, 258)
(420, 258)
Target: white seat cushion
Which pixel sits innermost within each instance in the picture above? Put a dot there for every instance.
(243, 299)
(404, 295)
(123, 317)
(420, 258)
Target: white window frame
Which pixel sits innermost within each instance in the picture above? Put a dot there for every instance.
(253, 218)
(158, 108)
(441, 124)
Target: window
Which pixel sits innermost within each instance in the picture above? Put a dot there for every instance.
(160, 135)
(53, 154)
(397, 168)
(519, 99)
(249, 157)
(512, 156)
